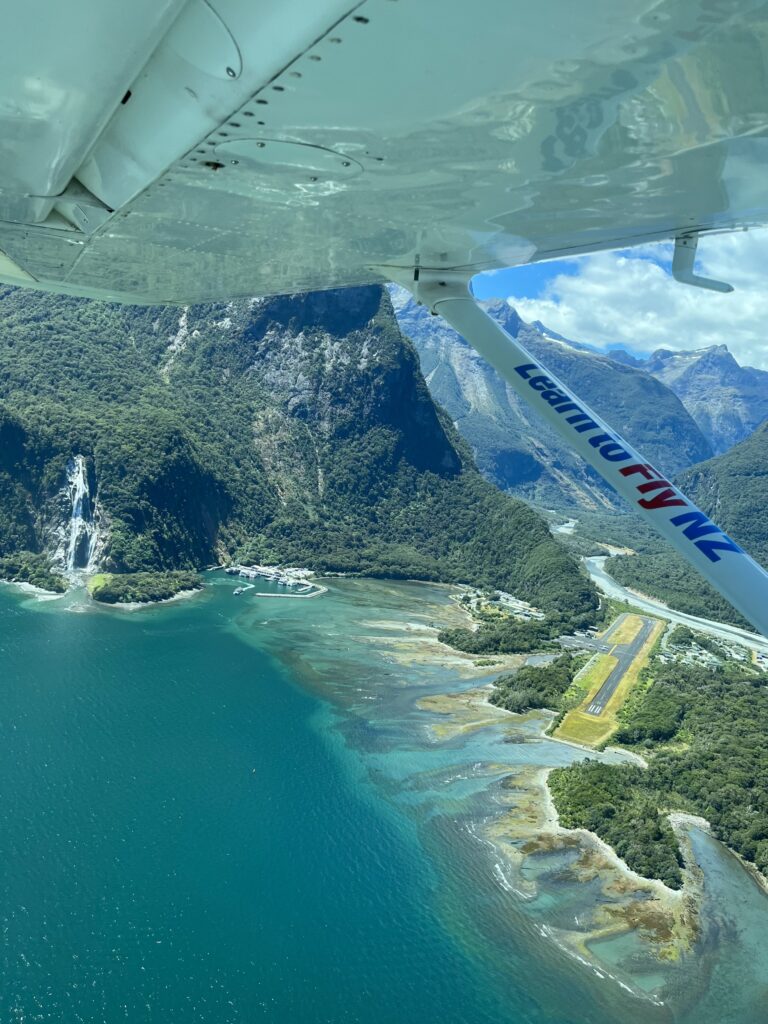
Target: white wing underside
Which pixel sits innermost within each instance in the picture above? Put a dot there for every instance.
(179, 152)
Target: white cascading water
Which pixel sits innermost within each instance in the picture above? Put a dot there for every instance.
(83, 532)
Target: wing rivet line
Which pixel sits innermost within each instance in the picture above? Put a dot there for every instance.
(238, 128)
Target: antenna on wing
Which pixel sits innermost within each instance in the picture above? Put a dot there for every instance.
(682, 265)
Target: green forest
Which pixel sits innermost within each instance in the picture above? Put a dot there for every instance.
(504, 633)
(28, 567)
(613, 802)
(295, 429)
(141, 587)
(536, 686)
(666, 575)
(703, 732)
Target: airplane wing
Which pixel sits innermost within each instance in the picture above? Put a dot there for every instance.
(171, 151)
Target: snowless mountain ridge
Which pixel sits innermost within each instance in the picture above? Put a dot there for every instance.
(727, 401)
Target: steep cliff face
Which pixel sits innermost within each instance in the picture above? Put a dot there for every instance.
(292, 428)
(727, 401)
(516, 449)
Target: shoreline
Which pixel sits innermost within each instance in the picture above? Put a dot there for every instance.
(666, 919)
(132, 606)
(31, 588)
(470, 710)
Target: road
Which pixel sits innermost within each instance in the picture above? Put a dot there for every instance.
(608, 585)
(624, 654)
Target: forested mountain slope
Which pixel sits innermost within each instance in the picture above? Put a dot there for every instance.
(733, 489)
(514, 447)
(295, 428)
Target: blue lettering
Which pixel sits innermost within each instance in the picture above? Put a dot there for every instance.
(614, 452)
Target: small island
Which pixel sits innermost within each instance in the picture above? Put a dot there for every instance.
(142, 587)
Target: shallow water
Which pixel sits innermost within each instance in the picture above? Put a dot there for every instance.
(230, 809)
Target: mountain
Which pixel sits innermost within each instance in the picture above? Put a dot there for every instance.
(294, 428)
(733, 489)
(517, 450)
(727, 400)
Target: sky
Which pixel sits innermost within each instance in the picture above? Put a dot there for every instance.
(628, 298)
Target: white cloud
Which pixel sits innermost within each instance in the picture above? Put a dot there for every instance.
(627, 298)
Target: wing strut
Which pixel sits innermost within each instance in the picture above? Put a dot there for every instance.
(708, 548)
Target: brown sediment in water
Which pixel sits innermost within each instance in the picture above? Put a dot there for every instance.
(464, 711)
(666, 920)
(415, 642)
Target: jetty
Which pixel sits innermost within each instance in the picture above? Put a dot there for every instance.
(299, 581)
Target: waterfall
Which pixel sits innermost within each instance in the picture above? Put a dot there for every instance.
(81, 544)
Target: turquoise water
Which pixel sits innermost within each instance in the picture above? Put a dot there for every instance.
(229, 810)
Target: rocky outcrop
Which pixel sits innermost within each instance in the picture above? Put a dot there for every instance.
(728, 401)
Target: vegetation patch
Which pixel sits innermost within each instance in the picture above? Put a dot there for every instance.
(535, 686)
(612, 802)
(667, 576)
(702, 730)
(29, 567)
(141, 587)
(201, 446)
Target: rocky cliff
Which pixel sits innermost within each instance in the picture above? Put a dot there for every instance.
(295, 428)
(728, 401)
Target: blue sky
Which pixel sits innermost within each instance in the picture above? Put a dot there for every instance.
(529, 282)
(628, 298)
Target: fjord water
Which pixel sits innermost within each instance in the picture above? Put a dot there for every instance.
(227, 810)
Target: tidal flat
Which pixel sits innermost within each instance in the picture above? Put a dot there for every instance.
(234, 809)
